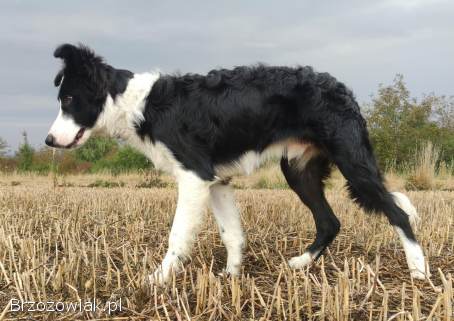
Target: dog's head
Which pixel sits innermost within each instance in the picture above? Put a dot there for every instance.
(83, 88)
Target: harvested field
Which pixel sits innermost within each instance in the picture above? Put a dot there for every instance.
(73, 244)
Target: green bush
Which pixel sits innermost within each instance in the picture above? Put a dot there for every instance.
(126, 159)
(97, 154)
(95, 149)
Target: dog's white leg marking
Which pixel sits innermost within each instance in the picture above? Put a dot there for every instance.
(405, 204)
(413, 251)
(414, 255)
(229, 221)
(193, 195)
(299, 262)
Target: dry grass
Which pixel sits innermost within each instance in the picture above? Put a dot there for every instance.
(426, 175)
(423, 174)
(66, 243)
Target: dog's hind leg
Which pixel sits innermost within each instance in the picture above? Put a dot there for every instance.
(305, 177)
(193, 195)
(352, 153)
(229, 222)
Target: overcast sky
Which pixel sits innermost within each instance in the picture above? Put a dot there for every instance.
(362, 43)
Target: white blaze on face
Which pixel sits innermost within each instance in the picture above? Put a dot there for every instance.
(66, 132)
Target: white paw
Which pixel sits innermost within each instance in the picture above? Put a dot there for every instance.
(415, 274)
(416, 262)
(163, 273)
(299, 262)
(158, 277)
(230, 270)
(233, 270)
(415, 257)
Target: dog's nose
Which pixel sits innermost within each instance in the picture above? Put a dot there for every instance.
(50, 140)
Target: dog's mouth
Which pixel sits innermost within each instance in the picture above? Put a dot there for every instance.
(79, 135)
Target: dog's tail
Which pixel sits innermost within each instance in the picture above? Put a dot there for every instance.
(351, 151)
(405, 204)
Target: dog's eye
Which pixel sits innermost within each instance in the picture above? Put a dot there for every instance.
(67, 100)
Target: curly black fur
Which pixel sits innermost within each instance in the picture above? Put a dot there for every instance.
(213, 119)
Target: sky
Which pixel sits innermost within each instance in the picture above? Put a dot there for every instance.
(362, 43)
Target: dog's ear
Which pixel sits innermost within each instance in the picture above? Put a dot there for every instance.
(82, 62)
(69, 53)
(58, 78)
(78, 57)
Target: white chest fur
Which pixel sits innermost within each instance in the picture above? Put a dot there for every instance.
(161, 157)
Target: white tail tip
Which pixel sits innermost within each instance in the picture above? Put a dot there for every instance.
(404, 203)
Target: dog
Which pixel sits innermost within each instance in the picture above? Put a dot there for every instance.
(205, 129)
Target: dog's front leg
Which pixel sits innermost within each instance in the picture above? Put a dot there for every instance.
(229, 222)
(193, 194)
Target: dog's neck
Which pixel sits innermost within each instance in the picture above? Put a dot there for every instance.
(122, 113)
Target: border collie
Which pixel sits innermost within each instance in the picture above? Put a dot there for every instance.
(204, 129)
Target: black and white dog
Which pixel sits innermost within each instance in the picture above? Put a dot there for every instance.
(205, 129)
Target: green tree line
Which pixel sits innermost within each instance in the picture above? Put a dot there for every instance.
(97, 154)
(398, 125)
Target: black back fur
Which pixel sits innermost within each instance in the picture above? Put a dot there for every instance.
(213, 119)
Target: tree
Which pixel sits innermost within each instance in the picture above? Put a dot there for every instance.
(3, 147)
(385, 117)
(25, 154)
(444, 115)
(398, 124)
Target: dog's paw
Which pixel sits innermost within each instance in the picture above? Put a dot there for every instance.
(415, 274)
(224, 274)
(229, 271)
(158, 277)
(232, 270)
(419, 275)
(299, 262)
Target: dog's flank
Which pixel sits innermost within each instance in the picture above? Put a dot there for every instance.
(205, 129)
